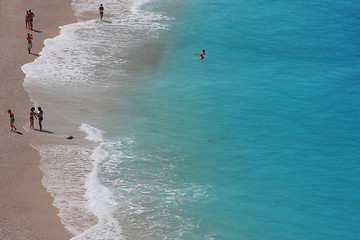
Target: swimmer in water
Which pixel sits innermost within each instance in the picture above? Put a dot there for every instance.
(203, 53)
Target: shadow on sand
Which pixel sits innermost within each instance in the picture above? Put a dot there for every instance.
(107, 21)
(18, 132)
(38, 31)
(44, 131)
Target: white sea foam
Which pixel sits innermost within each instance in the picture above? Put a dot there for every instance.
(68, 59)
(100, 199)
(65, 168)
(145, 195)
(86, 58)
(90, 50)
(93, 133)
(114, 9)
(102, 187)
(85, 205)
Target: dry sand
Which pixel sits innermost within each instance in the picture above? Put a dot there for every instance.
(26, 210)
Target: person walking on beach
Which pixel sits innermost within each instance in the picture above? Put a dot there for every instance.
(31, 118)
(12, 121)
(40, 117)
(31, 19)
(101, 11)
(29, 39)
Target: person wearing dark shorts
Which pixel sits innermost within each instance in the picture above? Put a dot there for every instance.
(40, 117)
(31, 19)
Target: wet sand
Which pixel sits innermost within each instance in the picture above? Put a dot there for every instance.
(26, 210)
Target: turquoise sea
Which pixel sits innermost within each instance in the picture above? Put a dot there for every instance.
(259, 140)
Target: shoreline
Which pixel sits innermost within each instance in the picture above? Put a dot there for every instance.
(26, 209)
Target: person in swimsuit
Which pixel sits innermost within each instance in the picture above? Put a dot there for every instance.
(31, 118)
(29, 39)
(40, 117)
(203, 53)
(12, 121)
(31, 18)
(27, 19)
(101, 11)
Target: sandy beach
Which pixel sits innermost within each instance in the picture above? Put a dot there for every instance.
(26, 210)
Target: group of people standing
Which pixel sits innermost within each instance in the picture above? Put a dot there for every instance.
(38, 115)
(29, 18)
